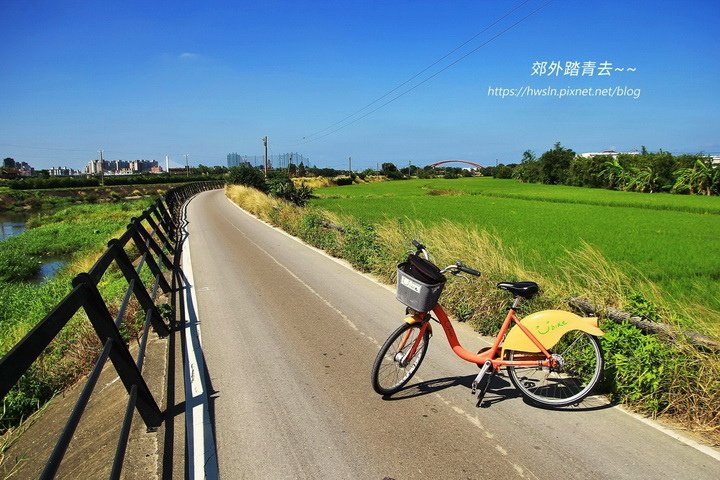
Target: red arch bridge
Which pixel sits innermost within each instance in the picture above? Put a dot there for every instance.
(456, 161)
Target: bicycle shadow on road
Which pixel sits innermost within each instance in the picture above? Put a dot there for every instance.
(500, 389)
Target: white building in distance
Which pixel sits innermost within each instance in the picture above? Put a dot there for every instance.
(122, 167)
(63, 172)
(607, 153)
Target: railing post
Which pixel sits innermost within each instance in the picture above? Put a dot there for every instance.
(157, 229)
(153, 244)
(105, 328)
(141, 293)
(168, 221)
(152, 264)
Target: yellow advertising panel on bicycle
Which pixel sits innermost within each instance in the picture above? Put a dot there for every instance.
(548, 326)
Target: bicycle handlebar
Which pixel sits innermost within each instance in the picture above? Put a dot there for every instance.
(420, 248)
(469, 270)
(457, 267)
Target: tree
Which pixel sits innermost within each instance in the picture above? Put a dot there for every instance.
(586, 172)
(503, 171)
(292, 170)
(390, 171)
(301, 172)
(388, 167)
(529, 169)
(555, 164)
(202, 169)
(700, 178)
(644, 179)
(614, 174)
(248, 176)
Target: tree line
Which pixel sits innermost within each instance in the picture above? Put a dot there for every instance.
(39, 183)
(642, 172)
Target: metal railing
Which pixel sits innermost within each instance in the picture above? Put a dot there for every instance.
(154, 235)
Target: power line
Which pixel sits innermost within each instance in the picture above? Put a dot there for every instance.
(433, 75)
(397, 87)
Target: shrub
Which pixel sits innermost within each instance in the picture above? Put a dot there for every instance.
(248, 176)
(281, 186)
(342, 181)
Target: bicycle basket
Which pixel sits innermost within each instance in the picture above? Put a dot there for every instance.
(419, 283)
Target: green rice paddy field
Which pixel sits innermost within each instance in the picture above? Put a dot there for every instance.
(672, 240)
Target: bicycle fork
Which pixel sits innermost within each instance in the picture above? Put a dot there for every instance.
(487, 369)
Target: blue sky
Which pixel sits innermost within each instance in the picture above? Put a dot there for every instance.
(146, 79)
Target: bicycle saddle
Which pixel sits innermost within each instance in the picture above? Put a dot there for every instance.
(520, 289)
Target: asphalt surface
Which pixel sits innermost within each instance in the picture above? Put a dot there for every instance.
(289, 336)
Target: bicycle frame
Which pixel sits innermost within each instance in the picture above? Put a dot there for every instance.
(542, 359)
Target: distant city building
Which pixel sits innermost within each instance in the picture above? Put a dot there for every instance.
(608, 153)
(281, 160)
(122, 167)
(63, 172)
(234, 159)
(12, 168)
(24, 169)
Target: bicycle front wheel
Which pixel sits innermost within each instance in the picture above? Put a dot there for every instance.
(579, 367)
(392, 369)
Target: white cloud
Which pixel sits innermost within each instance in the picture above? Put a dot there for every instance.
(189, 56)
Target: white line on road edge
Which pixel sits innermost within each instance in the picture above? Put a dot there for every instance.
(710, 451)
(202, 461)
(667, 431)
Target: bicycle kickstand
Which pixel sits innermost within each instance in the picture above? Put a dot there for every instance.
(487, 369)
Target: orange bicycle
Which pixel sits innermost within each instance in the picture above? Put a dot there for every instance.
(553, 357)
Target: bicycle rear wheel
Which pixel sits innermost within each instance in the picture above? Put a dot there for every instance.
(391, 370)
(579, 369)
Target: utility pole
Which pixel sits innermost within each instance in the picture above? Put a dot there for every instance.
(187, 165)
(409, 167)
(349, 164)
(102, 170)
(377, 167)
(265, 142)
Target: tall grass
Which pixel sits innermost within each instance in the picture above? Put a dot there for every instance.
(655, 375)
(676, 249)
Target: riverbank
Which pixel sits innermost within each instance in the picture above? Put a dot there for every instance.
(80, 233)
(25, 201)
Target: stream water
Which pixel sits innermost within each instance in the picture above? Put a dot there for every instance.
(12, 224)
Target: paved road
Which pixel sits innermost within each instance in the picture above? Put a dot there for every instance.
(289, 336)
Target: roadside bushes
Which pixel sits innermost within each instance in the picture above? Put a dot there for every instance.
(281, 186)
(277, 184)
(248, 176)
